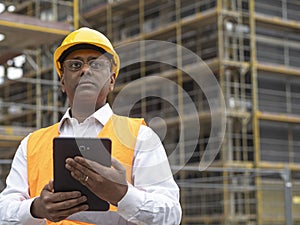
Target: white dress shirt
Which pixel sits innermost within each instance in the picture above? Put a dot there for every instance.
(153, 198)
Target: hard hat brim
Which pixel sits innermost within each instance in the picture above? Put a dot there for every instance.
(62, 50)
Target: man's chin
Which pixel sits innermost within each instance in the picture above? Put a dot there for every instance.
(88, 98)
(87, 91)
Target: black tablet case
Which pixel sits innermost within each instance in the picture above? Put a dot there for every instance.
(96, 149)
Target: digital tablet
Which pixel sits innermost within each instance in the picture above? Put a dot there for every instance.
(96, 149)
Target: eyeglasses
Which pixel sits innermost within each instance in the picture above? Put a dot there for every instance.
(94, 64)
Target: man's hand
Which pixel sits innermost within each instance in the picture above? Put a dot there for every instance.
(108, 183)
(57, 206)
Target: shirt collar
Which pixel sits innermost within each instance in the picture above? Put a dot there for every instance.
(102, 115)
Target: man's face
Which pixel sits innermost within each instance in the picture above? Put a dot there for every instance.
(87, 79)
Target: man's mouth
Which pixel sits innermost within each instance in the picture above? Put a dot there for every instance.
(86, 82)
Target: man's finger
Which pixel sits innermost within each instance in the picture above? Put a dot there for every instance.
(92, 165)
(87, 163)
(73, 166)
(63, 196)
(49, 186)
(82, 161)
(117, 165)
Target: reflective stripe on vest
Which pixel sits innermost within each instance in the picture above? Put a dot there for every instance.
(121, 130)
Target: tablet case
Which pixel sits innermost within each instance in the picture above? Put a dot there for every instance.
(96, 149)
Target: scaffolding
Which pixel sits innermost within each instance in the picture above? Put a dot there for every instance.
(255, 177)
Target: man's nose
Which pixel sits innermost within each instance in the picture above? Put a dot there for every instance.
(85, 68)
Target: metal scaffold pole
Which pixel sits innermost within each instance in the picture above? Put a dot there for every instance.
(286, 176)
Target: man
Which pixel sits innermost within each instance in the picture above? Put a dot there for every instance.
(138, 192)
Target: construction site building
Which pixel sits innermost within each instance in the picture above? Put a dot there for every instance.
(237, 160)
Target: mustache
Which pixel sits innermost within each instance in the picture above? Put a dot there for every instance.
(96, 81)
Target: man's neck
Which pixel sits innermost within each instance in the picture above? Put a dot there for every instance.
(83, 113)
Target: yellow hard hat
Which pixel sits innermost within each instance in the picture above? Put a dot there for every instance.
(85, 37)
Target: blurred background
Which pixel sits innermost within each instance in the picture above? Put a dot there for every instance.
(253, 50)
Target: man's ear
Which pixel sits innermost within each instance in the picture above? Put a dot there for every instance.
(62, 81)
(112, 81)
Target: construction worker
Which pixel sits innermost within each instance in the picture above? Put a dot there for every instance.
(138, 193)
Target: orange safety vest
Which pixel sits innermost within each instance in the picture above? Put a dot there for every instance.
(121, 130)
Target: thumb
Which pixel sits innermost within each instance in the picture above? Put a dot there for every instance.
(49, 186)
(116, 164)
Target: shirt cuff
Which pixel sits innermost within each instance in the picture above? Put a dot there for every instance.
(131, 202)
(28, 219)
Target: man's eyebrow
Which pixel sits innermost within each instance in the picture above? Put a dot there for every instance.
(101, 57)
(77, 57)
(94, 57)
